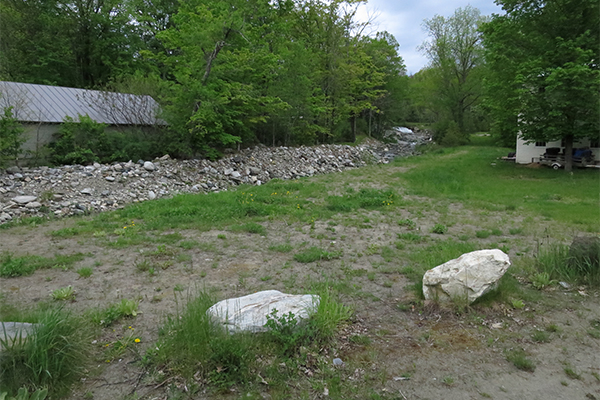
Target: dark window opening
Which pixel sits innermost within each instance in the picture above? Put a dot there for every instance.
(540, 144)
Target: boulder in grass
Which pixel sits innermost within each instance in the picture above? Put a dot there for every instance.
(11, 332)
(467, 278)
(584, 254)
(249, 313)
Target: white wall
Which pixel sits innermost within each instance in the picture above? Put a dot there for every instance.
(527, 152)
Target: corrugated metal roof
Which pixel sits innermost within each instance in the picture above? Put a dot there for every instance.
(42, 103)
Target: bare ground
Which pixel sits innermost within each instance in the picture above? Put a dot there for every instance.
(416, 351)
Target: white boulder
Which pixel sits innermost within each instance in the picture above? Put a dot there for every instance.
(468, 277)
(249, 313)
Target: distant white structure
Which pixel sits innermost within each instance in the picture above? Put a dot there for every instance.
(530, 152)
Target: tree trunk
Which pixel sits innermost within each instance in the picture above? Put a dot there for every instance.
(353, 129)
(569, 153)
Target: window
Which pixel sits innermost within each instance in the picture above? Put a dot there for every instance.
(540, 144)
(595, 143)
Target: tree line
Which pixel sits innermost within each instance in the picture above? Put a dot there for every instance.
(291, 72)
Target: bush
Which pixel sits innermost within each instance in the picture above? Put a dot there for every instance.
(88, 141)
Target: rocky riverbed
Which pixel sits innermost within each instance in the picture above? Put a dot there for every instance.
(78, 189)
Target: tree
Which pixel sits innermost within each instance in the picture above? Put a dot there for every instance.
(551, 80)
(10, 136)
(456, 56)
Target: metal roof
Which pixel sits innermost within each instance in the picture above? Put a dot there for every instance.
(43, 103)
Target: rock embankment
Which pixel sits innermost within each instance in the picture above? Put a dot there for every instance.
(77, 189)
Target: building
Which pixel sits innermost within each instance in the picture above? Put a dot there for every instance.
(42, 108)
(531, 152)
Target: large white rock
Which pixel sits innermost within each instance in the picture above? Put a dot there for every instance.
(468, 277)
(249, 313)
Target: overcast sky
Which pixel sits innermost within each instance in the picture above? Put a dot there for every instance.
(404, 19)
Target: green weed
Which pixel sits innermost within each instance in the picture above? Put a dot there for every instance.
(520, 360)
(85, 272)
(11, 266)
(111, 314)
(439, 229)
(64, 293)
(315, 254)
(281, 248)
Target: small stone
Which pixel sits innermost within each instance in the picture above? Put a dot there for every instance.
(148, 166)
(227, 171)
(338, 362)
(88, 191)
(13, 170)
(110, 178)
(24, 199)
(195, 188)
(18, 176)
(151, 195)
(34, 204)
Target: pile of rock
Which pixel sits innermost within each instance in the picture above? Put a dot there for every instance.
(76, 189)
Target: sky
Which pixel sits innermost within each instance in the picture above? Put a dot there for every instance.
(404, 19)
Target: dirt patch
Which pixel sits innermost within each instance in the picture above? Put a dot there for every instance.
(412, 352)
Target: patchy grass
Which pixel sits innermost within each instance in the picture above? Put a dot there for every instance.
(12, 266)
(315, 254)
(456, 176)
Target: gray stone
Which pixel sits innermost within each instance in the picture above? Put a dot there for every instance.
(249, 313)
(584, 253)
(87, 191)
(151, 195)
(254, 171)
(11, 332)
(466, 278)
(13, 170)
(149, 166)
(110, 178)
(338, 362)
(33, 204)
(24, 199)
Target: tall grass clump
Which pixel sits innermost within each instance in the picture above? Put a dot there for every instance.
(556, 261)
(53, 355)
(192, 343)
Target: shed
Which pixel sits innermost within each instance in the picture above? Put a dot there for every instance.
(41, 109)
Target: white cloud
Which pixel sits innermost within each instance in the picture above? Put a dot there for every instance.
(404, 20)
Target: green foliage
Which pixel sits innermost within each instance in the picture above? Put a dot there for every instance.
(10, 136)
(456, 56)
(550, 79)
(64, 293)
(106, 317)
(88, 141)
(440, 229)
(315, 254)
(520, 360)
(53, 356)
(11, 266)
(364, 198)
(555, 264)
(250, 227)
(23, 394)
(85, 272)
